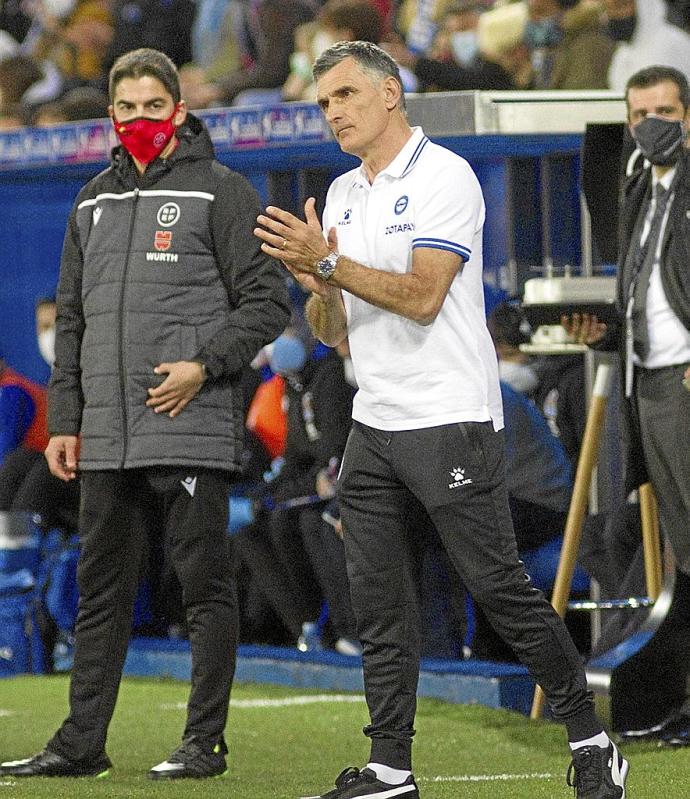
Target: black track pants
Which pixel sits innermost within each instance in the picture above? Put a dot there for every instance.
(457, 473)
(190, 507)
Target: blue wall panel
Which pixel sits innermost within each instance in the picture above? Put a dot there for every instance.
(34, 214)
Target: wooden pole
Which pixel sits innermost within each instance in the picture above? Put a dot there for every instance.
(650, 540)
(578, 504)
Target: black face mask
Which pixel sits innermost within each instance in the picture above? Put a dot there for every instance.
(621, 30)
(660, 140)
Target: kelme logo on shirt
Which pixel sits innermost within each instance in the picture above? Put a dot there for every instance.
(458, 477)
(346, 220)
(401, 204)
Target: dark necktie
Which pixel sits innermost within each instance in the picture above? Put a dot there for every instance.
(642, 270)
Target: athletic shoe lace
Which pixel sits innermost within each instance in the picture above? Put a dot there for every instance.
(348, 776)
(585, 772)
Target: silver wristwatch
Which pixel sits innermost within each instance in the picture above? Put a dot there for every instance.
(326, 266)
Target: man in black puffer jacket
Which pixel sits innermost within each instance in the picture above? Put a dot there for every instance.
(164, 296)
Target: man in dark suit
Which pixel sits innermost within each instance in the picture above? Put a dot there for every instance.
(653, 335)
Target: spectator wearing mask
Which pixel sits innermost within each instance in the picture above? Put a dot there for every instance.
(338, 20)
(455, 61)
(417, 22)
(554, 382)
(542, 35)
(26, 483)
(644, 38)
(35, 438)
(568, 46)
(291, 560)
(538, 470)
(509, 329)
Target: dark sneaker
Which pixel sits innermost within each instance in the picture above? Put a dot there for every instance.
(50, 764)
(598, 773)
(190, 760)
(363, 784)
(676, 731)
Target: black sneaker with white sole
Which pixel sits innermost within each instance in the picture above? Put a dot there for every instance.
(191, 761)
(51, 764)
(355, 784)
(598, 773)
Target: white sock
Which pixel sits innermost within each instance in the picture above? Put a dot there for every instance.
(602, 740)
(393, 776)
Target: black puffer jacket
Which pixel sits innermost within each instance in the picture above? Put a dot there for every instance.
(161, 268)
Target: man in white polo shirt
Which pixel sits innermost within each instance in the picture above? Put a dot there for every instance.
(400, 275)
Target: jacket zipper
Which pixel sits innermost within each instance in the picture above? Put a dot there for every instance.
(121, 344)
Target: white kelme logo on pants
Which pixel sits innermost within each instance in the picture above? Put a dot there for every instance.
(189, 485)
(459, 479)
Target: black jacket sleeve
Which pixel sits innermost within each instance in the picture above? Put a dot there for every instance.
(332, 405)
(256, 285)
(65, 398)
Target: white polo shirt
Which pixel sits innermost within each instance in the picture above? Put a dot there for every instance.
(410, 375)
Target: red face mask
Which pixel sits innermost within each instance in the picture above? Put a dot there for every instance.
(143, 138)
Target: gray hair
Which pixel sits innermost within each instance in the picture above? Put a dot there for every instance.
(371, 59)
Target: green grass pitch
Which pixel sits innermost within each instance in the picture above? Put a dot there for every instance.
(286, 743)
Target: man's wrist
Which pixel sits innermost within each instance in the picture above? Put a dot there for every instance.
(204, 371)
(327, 295)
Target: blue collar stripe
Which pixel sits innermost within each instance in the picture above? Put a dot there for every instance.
(415, 156)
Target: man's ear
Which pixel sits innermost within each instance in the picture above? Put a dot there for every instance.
(392, 91)
(180, 114)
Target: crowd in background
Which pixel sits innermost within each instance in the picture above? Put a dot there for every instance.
(55, 54)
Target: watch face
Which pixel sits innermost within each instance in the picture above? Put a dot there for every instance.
(326, 267)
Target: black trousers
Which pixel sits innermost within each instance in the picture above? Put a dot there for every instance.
(272, 551)
(457, 473)
(116, 507)
(327, 557)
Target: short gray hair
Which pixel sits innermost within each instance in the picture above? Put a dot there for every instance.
(370, 58)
